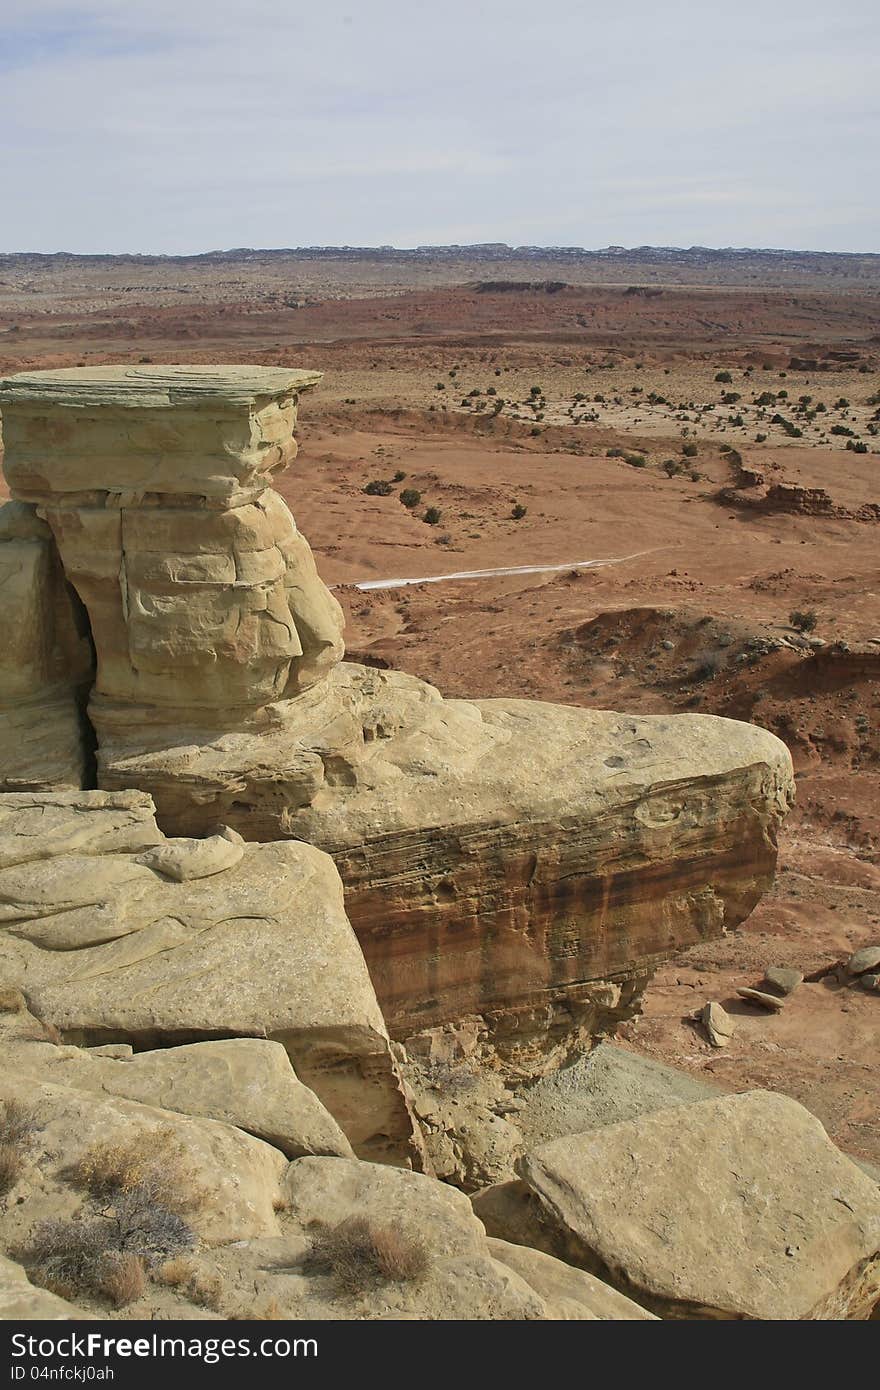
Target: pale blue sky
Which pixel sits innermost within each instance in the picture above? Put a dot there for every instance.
(190, 125)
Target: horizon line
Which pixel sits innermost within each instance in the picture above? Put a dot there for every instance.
(611, 251)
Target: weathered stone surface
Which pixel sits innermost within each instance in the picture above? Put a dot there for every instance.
(863, 961)
(21, 1301)
(771, 1002)
(563, 1285)
(609, 1086)
(203, 597)
(216, 434)
(45, 660)
(718, 1024)
(107, 950)
(577, 847)
(246, 1082)
(784, 978)
(185, 859)
(734, 1208)
(235, 1179)
(462, 1279)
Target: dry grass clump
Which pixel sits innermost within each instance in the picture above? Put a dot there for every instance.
(18, 1124)
(123, 1278)
(139, 1195)
(193, 1282)
(151, 1164)
(11, 1167)
(359, 1253)
(175, 1273)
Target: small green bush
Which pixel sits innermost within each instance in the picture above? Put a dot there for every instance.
(432, 516)
(804, 621)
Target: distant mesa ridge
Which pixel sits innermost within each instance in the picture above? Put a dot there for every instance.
(493, 250)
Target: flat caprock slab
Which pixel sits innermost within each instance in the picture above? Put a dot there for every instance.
(123, 435)
(153, 387)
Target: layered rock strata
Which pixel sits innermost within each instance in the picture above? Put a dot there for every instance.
(108, 948)
(523, 861)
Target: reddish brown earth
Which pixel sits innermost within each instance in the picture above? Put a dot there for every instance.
(698, 616)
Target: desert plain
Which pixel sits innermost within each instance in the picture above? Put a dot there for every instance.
(680, 454)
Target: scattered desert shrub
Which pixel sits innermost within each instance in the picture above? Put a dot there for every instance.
(195, 1283)
(206, 1290)
(519, 512)
(804, 620)
(18, 1123)
(11, 1167)
(359, 1253)
(615, 453)
(67, 1256)
(399, 476)
(378, 487)
(410, 497)
(858, 446)
(432, 516)
(148, 1165)
(175, 1273)
(689, 450)
(723, 376)
(708, 667)
(636, 460)
(122, 1278)
(107, 1254)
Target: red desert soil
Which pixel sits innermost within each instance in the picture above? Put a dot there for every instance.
(693, 614)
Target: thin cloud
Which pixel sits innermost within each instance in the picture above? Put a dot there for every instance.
(174, 127)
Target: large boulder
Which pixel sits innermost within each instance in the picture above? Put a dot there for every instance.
(564, 1286)
(739, 1207)
(245, 1082)
(233, 1181)
(439, 1262)
(525, 861)
(108, 948)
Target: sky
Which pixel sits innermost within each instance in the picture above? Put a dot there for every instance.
(178, 126)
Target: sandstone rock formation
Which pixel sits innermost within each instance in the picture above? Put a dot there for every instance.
(20, 1301)
(235, 1178)
(526, 862)
(46, 665)
(739, 1207)
(108, 948)
(245, 1082)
